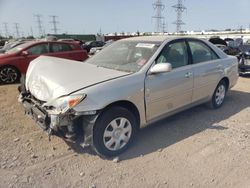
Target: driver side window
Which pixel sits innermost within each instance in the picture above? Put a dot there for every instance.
(38, 49)
(175, 54)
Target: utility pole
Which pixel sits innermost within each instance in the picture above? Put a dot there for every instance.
(39, 24)
(16, 26)
(54, 23)
(5, 25)
(179, 8)
(158, 7)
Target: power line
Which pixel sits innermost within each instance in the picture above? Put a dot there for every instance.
(17, 27)
(54, 23)
(179, 8)
(39, 23)
(158, 7)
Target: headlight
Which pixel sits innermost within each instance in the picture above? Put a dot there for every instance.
(63, 104)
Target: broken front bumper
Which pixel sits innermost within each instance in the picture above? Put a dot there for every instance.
(48, 122)
(61, 124)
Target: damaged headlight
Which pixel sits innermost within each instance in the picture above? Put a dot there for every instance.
(65, 103)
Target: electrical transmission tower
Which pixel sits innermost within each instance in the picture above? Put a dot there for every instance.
(31, 32)
(158, 7)
(5, 25)
(39, 23)
(164, 26)
(54, 23)
(16, 26)
(179, 8)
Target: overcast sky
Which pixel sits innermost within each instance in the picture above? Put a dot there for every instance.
(88, 16)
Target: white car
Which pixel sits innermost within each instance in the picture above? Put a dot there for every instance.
(125, 87)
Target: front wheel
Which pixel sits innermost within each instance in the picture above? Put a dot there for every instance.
(219, 95)
(9, 75)
(114, 131)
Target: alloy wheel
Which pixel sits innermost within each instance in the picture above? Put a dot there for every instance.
(8, 75)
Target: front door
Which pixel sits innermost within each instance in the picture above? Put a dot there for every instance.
(33, 52)
(166, 92)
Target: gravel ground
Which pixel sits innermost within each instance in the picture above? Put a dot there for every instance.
(196, 148)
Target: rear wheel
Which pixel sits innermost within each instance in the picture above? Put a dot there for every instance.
(9, 75)
(114, 131)
(219, 95)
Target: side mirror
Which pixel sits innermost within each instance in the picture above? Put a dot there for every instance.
(24, 53)
(160, 68)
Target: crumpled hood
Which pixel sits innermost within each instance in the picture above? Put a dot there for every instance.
(49, 77)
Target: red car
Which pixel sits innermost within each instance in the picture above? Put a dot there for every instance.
(16, 61)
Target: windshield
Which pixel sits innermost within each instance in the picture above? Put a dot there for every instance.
(127, 56)
(18, 48)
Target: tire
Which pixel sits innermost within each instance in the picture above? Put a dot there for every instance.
(114, 131)
(219, 95)
(9, 75)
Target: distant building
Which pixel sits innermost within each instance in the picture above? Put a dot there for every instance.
(74, 36)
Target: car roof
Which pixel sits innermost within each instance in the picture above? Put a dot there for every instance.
(147, 38)
(38, 42)
(158, 39)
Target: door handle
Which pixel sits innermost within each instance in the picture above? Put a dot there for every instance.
(188, 74)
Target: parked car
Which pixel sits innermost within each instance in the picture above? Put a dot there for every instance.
(95, 50)
(228, 49)
(217, 40)
(2, 43)
(228, 40)
(11, 45)
(126, 86)
(244, 60)
(92, 44)
(16, 60)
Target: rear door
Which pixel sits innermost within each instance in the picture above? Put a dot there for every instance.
(166, 92)
(62, 50)
(207, 69)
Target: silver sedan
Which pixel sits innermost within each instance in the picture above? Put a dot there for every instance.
(125, 87)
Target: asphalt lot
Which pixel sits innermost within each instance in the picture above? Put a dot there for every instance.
(196, 148)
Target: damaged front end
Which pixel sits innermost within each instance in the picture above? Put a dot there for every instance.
(57, 117)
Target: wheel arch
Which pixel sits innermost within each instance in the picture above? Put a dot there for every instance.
(226, 80)
(127, 105)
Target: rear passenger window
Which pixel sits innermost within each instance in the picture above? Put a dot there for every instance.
(60, 47)
(201, 52)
